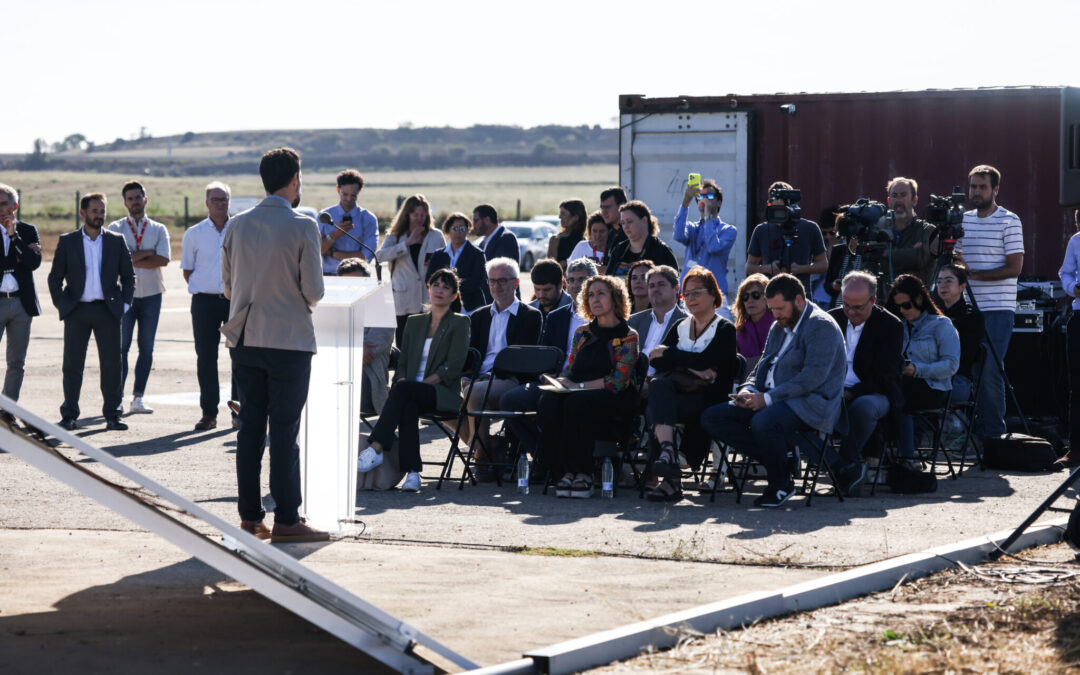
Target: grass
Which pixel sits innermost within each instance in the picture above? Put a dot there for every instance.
(48, 197)
(555, 552)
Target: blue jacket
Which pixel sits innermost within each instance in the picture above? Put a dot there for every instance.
(708, 243)
(932, 345)
(470, 269)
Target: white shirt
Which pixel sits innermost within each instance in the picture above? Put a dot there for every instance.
(454, 256)
(92, 255)
(423, 360)
(575, 322)
(201, 254)
(8, 285)
(153, 237)
(851, 342)
(657, 331)
(584, 249)
(497, 333)
(985, 244)
(770, 382)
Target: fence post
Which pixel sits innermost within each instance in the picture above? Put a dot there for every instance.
(400, 201)
(518, 211)
(185, 212)
(76, 209)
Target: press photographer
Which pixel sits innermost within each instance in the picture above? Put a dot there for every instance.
(786, 242)
(914, 242)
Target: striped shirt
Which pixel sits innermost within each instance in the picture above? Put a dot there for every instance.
(985, 244)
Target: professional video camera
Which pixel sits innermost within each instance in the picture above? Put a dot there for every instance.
(785, 215)
(860, 220)
(947, 214)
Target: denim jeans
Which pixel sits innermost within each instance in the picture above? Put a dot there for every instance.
(145, 312)
(864, 413)
(990, 410)
(764, 435)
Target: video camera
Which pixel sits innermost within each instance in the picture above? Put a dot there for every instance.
(785, 215)
(860, 220)
(947, 214)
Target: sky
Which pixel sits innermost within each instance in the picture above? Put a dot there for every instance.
(107, 69)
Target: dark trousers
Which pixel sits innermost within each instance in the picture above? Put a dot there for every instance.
(407, 401)
(273, 385)
(570, 425)
(208, 312)
(668, 406)
(764, 435)
(525, 397)
(144, 312)
(1072, 341)
(87, 318)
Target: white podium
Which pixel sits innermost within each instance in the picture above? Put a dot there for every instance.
(329, 427)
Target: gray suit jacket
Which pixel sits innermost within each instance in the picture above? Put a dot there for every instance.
(642, 321)
(271, 267)
(809, 376)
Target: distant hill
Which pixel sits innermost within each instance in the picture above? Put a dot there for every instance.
(372, 149)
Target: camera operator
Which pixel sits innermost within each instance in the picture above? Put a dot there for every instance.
(913, 239)
(794, 246)
(865, 247)
(993, 252)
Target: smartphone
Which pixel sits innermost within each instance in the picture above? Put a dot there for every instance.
(733, 397)
(694, 180)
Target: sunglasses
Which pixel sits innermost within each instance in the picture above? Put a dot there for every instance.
(459, 228)
(751, 295)
(906, 305)
(705, 195)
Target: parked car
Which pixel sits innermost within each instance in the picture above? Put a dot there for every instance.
(532, 238)
(550, 219)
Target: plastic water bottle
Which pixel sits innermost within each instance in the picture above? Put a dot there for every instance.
(523, 474)
(607, 480)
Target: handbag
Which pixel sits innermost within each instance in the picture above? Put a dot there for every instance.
(685, 382)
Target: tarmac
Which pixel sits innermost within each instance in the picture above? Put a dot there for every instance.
(487, 571)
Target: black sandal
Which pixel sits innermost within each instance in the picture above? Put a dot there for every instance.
(668, 490)
(664, 465)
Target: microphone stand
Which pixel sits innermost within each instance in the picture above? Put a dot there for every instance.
(327, 219)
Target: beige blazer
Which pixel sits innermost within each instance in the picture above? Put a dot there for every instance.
(271, 268)
(407, 282)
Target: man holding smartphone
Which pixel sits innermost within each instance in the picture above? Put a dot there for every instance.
(347, 216)
(708, 242)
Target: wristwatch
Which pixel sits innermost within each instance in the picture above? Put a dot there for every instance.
(580, 385)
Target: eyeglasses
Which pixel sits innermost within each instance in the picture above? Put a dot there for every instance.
(696, 293)
(492, 281)
(751, 295)
(705, 195)
(906, 305)
(459, 228)
(856, 308)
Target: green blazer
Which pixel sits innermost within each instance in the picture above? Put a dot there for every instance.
(449, 348)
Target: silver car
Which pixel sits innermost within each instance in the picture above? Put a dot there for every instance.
(533, 238)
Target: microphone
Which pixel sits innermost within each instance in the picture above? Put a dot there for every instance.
(326, 219)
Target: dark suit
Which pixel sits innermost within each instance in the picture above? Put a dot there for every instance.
(19, 261)
(470, 270)
(556, 329)
(521, 329)
(503, 245)
(877, 364)
(67, 281)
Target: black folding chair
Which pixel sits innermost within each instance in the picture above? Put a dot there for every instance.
(439, 419)
(522, 362)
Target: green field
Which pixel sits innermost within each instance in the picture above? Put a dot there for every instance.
(48, 197)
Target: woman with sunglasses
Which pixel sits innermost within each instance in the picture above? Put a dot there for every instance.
(931, 354)
(465, 258)
(708, 242)
(968, 321)
(752, 319)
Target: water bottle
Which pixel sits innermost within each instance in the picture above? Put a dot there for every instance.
(523, 474)
(607, 480)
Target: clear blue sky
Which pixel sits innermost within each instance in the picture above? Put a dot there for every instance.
(107, 68)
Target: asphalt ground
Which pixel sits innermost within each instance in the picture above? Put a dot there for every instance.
(485, 570)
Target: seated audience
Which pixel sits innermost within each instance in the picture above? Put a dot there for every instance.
(752, 318)
(547, 280)
(435, 345)
(641, 241)
(951, 298)
(798, 382)
(572, 217)
(600, 375)
(596, 245)
(462, 256)
(931, 355)
(639, 289)
(377, 343)
(507, 321)
(872, 339)
(695, 367)
(652, 324)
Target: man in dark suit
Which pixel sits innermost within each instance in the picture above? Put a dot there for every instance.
(462, 256)
(873, 340)
(271, 269)
(498, 242)
(652, 324)
(92, 283)
(507, 321)
(18, 299)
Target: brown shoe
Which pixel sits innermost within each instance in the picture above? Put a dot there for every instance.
(297, 532)
(206, 423)
(255, 527)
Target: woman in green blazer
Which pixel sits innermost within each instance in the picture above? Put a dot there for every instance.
(433, 351)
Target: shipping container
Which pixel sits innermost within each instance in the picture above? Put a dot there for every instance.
(842, 146)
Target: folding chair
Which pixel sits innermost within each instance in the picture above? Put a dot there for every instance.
(367, 415)
(439, 419)
(722, 453)
(525, 363)
(937, 418)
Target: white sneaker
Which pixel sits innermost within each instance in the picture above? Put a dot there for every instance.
(412, 482)
(368, 460)
(138, 407)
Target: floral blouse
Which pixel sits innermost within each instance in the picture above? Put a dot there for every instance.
(610, 353)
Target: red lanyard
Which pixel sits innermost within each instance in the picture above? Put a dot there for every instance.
(138, 235)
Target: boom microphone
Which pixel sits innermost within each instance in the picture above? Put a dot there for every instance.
(326, 219)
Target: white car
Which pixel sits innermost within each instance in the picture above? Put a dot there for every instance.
(532, 239)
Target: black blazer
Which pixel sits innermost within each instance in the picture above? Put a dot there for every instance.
(26, 261)
(718, 355)
(470, 269)
(878, 360)
(67, 278)
(556, 329)
(503, 246)
(654, 249)
(522, 328)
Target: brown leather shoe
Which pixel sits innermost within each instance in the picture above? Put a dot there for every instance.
(255, 527)
(206, 423)
(297, 532)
